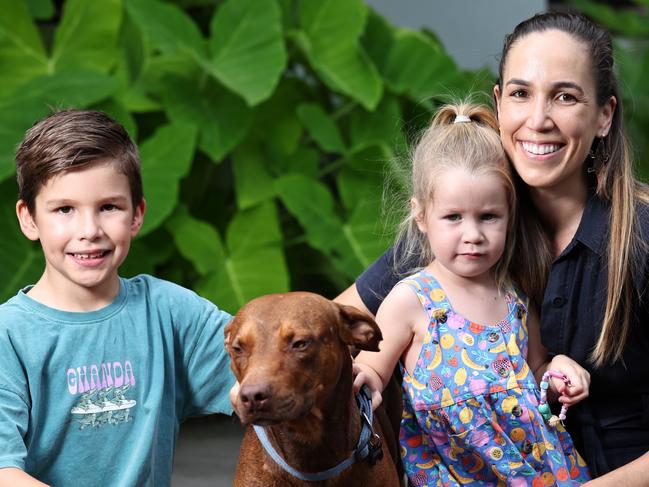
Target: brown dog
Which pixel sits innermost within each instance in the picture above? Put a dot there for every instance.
(290, 355)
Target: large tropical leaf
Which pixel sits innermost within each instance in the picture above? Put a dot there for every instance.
(87, 35)
(376, 128)
(253, 182)
(168, 28)
(312, 204)
(198, 241)
(420, 68)
(321, 127)
(247, 33)
(255, 264)
(367, 236)
(22, 262)
(330, 39)
(276, 123)
(223, 118)
(41, 9)
(166, 158)
(22, 54)
(37, 97)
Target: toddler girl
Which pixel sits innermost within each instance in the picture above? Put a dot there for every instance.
(467, 342)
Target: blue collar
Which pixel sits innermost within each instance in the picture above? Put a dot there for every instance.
(362, 450)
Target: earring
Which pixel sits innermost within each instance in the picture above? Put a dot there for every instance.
(601, 152)
(598, 155)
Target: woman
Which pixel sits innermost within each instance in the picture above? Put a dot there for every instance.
(582, 253)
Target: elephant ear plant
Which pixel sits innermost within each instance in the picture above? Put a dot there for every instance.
(266, 128)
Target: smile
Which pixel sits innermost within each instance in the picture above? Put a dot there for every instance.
(89, 256)
(540, 149)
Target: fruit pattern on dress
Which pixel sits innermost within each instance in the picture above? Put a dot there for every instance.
(471, 404)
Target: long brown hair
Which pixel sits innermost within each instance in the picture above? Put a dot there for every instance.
(615, 185)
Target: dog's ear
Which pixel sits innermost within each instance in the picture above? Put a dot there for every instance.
(226, 334)
(358, 328)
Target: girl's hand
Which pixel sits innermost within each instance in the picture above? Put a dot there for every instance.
(366, 376)
(578, 376)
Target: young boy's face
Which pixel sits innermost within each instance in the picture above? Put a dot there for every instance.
(85, 221)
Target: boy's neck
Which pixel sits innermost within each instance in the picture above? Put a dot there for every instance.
(74, 298)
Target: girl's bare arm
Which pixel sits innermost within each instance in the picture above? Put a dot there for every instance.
(14, 477)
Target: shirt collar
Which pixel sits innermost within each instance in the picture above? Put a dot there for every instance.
(593, 228)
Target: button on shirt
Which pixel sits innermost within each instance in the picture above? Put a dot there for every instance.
(575, 299)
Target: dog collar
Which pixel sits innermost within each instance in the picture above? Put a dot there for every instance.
(368, 445)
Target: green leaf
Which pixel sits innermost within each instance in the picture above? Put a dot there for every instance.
(321, 127)
(627, 22)
(377, 39)
(255, 265)
(362, 176)
(248, 33)
(41, 9)
(166, 158)
(87, 36)
(223, 118)
(276, 123)
(198, 241)
(331, 30)
(169, 29)
(253, 182)
(120, 113)
(143, 257)
(36, 98)
(304, 160)
(22, 260)
(22, 54)
(381, 127)
(365, 233)
(312, 204)
(418, 67)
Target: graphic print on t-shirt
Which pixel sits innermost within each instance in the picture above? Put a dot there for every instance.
(101, 391)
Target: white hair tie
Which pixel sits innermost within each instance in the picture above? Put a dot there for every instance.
(462, 119)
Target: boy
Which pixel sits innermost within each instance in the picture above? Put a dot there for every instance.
(97, 371)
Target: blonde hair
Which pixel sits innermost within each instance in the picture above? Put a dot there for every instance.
(470, 142)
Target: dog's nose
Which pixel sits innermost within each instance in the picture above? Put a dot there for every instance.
(254, 396)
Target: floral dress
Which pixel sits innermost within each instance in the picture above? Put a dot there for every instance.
(470, 406)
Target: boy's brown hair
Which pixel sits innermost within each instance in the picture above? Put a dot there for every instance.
(69, 140)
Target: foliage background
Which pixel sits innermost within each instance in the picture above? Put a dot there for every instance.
(266, 127)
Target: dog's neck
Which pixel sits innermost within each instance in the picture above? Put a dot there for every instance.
(326, 435)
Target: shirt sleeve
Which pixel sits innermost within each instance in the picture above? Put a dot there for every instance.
(14, 419)
(208, 374)
(374, 284)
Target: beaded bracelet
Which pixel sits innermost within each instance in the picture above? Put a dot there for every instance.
(544, 407)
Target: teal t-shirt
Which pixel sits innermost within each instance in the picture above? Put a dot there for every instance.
(96, 398)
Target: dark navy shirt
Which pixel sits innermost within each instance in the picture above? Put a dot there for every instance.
(611, 427)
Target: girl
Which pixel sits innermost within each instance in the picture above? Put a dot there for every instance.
(469, 346)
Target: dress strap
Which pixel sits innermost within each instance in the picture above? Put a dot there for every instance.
(430, 293)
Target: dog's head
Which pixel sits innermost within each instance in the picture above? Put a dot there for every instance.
(289, 351)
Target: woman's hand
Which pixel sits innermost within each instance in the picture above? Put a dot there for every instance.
(364, 375)
(578, 376)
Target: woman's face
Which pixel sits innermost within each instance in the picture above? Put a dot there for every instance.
(548, 109)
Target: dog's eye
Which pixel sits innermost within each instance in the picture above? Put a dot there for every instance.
(236, 348)
(300, 344)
